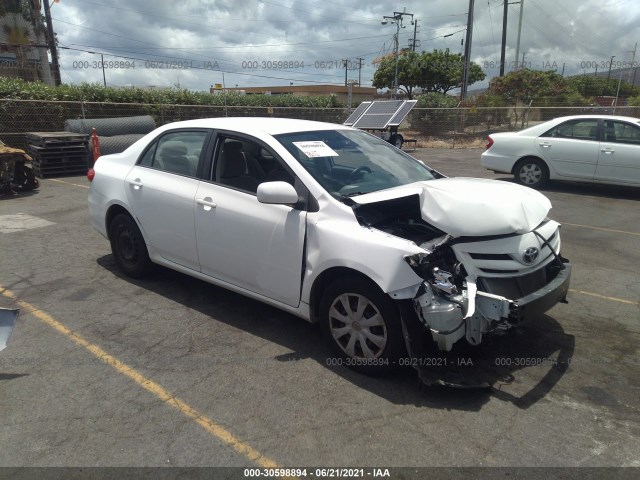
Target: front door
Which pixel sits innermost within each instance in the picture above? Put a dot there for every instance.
(255, 246)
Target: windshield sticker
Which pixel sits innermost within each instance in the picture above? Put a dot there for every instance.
(316, 149)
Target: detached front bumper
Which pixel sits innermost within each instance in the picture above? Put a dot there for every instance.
(538, 302)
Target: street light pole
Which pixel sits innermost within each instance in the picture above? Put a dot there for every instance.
(397, 19)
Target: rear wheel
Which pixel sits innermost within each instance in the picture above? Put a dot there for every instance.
(128, 246)
(362, 324)
(531, 172)
(30, 180)
(397, 140)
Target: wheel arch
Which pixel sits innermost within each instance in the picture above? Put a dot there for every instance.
(530, 157)
(113, 211)
(325, 279)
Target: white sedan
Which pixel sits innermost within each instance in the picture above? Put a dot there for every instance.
(581, 148)
(335, 226)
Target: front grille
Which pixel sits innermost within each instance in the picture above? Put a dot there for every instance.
(490, 256)
(518, 287)
(495, 270)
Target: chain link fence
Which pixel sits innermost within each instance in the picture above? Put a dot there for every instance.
(429, 127)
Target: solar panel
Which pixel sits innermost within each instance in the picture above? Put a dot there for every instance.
(357, 113)
(380, 114)
(402, 112)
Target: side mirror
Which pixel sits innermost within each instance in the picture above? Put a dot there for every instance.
(281, 193)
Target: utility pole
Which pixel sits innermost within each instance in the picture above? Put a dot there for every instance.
(397, 19)
(360, 59)
(504, 36)
(414, 43)
(609, 74)
(104, 78)
(345, 62)
(519, 32)
(633, 59)
(467, 52)
(52, 44)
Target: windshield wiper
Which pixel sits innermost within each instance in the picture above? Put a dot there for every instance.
(353, 194)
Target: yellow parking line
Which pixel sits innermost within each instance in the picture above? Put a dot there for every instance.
(613, 299)
(209, 425)
(601, 228)
(67, 183)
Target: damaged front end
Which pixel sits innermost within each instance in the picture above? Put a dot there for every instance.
(454, 304)
(487, 263)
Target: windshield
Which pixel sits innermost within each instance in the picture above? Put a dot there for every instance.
(352, 162)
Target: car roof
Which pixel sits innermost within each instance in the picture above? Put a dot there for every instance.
(253, 125)
(596, 115)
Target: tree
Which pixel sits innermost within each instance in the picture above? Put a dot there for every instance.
(441, 71)
(592, 86)
(528, 86)
(408, 72)
(436, 71)
(525, 86)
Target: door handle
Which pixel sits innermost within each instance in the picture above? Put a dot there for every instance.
(608, 151)
(137, 184)
(545, 145)
(207, 203)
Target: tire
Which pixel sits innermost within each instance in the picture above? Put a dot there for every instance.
(397, 140)
(30, 180)
(345, 296)
(531, 172)
(128, 247)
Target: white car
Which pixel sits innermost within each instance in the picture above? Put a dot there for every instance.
(336, 226)
(582, 148)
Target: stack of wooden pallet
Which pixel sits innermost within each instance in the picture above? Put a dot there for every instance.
(58, 153)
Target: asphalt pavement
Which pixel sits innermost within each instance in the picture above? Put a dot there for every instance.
(103, 370)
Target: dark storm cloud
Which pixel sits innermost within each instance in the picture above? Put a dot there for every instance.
(226, 34)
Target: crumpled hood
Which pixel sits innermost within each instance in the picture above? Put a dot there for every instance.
(471, 206)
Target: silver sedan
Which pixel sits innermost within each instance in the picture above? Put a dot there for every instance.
(582, 148)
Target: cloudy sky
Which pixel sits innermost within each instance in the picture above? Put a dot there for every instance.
(192, 43)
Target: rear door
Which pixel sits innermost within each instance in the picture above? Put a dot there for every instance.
(161, 190)
(619, 153)
(571, 148)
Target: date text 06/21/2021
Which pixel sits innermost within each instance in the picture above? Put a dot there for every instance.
(316, 472)
(149, 64)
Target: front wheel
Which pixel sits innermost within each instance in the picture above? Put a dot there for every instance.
(531, 172)
(128, 246)
(362, 324)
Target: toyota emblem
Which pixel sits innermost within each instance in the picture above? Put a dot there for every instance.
(530, 255)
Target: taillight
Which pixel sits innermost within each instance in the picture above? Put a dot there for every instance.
(489, 142)
(90, 174)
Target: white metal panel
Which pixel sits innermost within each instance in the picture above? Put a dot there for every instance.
(250, 244)
(162, 202)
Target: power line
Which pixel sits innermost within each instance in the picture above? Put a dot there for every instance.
(231, 47)
(201, 68)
